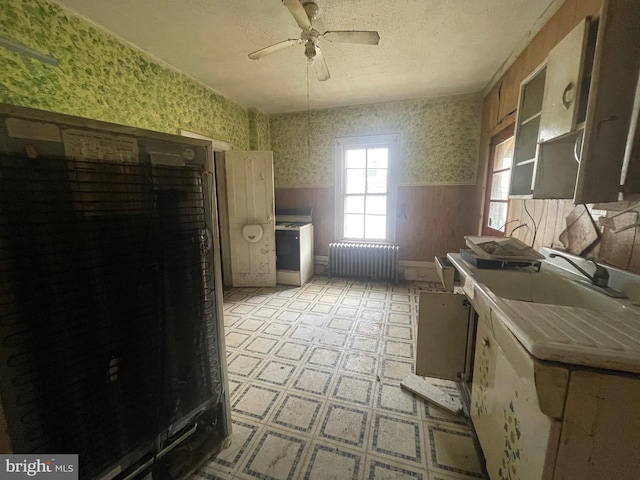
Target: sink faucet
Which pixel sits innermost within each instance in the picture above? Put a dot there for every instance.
(600, 278)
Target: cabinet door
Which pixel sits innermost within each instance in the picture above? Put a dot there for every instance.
(611, 101)
(517, 439)
(562, 85)
(443, 325)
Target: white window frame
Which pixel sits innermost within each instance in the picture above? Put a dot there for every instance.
(392, 142)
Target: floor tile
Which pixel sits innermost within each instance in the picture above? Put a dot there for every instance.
(234, 385)
(241, 437)
(453, 451)
(276, 456)
(260, 344)
(322, 308)
(365, 344)
(358, 362)
(397, 437)
(327, 462)
(438, 415)
(255, 401)
(250, 325)
(264, 312)
(372, 315)
(277, 329)
(366, 328)
(236, 339)
(324, 357)
(392, 398)
(288, 316)
(342, 324)
(400, 318)
(291, 351)
(313, 380)
(332, 338)
(275, 372)
(298, 412)
(395, 369)
(243, 365)
(395, 331)
(384, 469)
(344, 424)
(398, 349)
(329, 299)
(352, 389)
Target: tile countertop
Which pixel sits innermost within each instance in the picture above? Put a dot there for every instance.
(571, 335)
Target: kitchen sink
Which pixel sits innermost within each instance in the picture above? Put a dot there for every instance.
(545, 287)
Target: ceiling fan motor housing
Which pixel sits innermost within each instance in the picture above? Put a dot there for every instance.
(312, 10)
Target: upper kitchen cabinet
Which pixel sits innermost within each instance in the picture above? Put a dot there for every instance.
(586, 112)
(611, 103)
(527, 130)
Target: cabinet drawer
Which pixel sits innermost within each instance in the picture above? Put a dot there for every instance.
(447, 273)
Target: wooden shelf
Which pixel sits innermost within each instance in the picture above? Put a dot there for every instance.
(525, 162)
(531, 118)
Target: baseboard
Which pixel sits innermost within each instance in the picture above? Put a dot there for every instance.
(409, 269)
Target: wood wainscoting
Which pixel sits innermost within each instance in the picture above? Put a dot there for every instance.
(431, 220)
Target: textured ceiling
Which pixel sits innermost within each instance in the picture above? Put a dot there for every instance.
(427, 47)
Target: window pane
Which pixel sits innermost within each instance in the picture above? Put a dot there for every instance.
(355, 180)
(500, 185)
(356, 158)
(497, 216)
(354, 204)
(375, 227)
(377, 180)
(377, 204)
(353, 226)
(378, 158)
(504, 155)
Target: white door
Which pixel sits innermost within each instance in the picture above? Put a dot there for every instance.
(251, 218)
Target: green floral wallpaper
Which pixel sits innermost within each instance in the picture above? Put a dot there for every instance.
(440, 139)
(100, 77)
(259, 137)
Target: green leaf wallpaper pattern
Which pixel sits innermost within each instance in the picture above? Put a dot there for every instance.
(259, 138)
(102, 78)
(440, 139)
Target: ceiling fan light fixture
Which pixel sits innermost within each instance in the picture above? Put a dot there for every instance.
(310, 50)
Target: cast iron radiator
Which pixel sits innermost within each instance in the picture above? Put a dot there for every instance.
(364, 260)
(107, 308)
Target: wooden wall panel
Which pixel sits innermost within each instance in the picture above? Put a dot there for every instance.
(432, 220)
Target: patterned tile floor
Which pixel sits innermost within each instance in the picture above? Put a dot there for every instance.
(314, 377)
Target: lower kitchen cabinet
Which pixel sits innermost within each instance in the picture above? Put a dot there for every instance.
(517, 438)
(538, 420)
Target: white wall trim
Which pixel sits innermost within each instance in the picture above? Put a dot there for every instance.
(217, 145)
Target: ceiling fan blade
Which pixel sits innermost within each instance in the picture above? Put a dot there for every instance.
(298, 12)
(274, 48)
(320, 64)
(353, 36)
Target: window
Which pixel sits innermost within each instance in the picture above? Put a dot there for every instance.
(497, 203)
(366, 187)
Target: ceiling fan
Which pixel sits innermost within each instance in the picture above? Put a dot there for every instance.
(304, 13)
